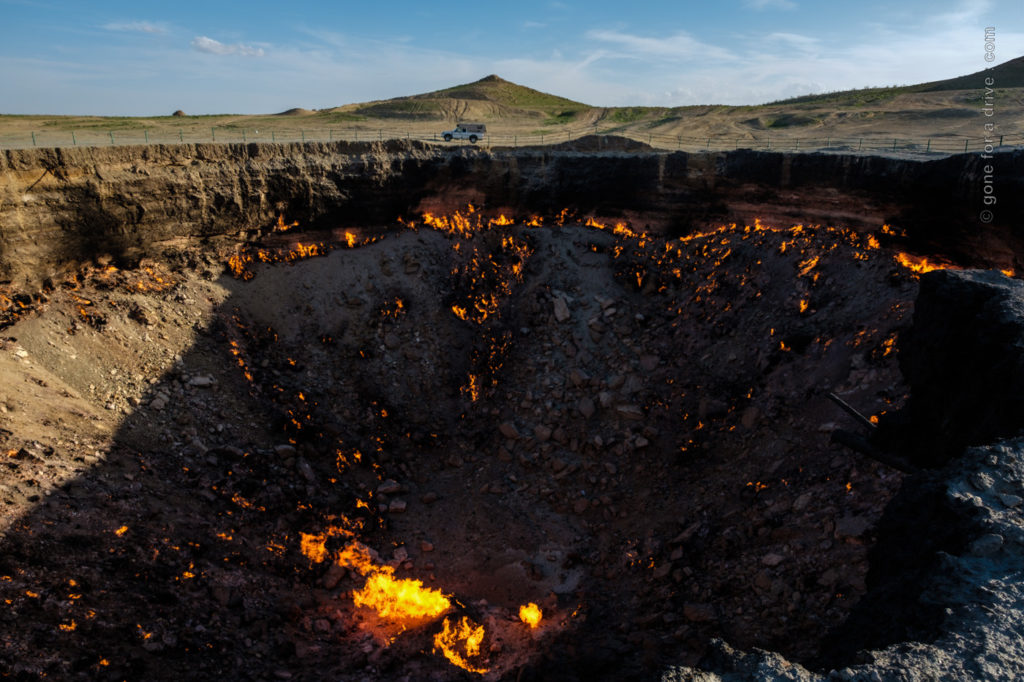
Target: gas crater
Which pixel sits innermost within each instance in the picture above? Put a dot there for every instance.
(444, 436)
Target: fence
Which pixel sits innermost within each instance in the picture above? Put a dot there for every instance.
(872, 145)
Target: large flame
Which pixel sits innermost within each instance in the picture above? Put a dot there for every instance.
(460, 643)
(403, 601)
(530, 614)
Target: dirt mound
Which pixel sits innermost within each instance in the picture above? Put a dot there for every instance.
(296, 111)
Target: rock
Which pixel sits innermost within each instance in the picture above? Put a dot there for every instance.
(201, 381)
(578, 378)
(663, 571)
(586, 407)
(649, 362)
(698, 613)
(605, 399)
(634, 412)
(305, 469)
(1011, 500)
(285, 450)
(772, 560)
(981, 481)
(801, 502)
(334, 575)
(158, 403)
(963, 320)
(543, 433)
(509, 430)
(641, 442)
(426, 546)
(750, 417)
(397, 506)
(429, 498)
(389, 487)
(581, 505)
(852, 526)
(987, 544)
(561, 309)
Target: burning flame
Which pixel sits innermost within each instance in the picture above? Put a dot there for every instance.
(530, 614)
(461, 642)
(282, 227)
(403, 601)
(921, 264)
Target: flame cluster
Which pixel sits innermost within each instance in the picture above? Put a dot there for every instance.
(460, 642)
(402, 601)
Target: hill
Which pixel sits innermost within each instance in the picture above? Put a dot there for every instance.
(1006, 75)
(489, 99)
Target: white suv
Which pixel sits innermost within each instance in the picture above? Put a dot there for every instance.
(466, 131)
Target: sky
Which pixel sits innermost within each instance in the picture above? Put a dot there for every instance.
(145, 58)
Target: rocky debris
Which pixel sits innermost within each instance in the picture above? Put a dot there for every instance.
(593, 470)
(561, 309)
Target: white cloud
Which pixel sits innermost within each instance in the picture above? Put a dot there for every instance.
(211, 46)
(771, 4)
(136, 27)
(678, 46)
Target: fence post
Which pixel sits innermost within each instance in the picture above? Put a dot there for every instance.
(894, 145)
(828, 142)
(929, 147)
(302, 132)
(146, 133)
(243, 135)
(330, 135)
(181, 135)
(213, 134)
(965, 145)
(797, 147)
(380, 135)
(515, 140)
(860, 144)
(542, 138)
(73, 140)
(1000, 140)
(273, 137)
(111, 137)
(33, 138)
(707, 147)
(769, 142)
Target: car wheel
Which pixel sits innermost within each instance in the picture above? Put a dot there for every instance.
(447, 138)
(472, 138)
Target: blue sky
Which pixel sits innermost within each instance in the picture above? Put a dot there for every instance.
(146, 58)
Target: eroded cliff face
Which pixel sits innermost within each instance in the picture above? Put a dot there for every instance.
(62, 207)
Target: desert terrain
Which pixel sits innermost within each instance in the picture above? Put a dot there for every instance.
(934, 117)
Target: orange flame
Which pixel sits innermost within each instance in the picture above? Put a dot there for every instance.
(403, 601)
(461, 642)
(921, 264)
(530, 614)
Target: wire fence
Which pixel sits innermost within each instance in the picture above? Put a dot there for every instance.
(939, 145)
